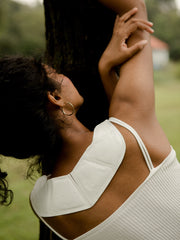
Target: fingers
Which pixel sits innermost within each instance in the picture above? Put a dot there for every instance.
(136, 48)
(131, 24)
(139, 24)
(143, 21)
(116, 23)
(128, 15)
(124, 18)
(145, 27)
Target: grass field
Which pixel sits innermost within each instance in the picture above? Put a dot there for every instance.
(167, 89)
(17, 221)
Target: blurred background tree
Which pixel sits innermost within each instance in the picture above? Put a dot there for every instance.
(166, 17)
(21, 29)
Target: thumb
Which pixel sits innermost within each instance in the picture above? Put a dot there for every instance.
(137, 47)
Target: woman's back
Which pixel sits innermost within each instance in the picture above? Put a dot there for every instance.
(131, 174)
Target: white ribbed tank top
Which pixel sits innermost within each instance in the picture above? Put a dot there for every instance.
(152, 212)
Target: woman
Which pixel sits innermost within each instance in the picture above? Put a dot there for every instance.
(106, 184)
(112, 184)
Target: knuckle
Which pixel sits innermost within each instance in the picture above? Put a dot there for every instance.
(133, 20)
(121, 19)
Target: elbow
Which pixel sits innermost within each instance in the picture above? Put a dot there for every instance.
(142, 11)
(122, 6)
(140, 4)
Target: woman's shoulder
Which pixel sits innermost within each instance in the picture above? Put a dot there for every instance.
(88, 178)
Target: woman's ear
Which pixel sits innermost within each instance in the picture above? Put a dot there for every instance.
(55, 98)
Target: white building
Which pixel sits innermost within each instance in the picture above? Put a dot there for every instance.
(160, 51)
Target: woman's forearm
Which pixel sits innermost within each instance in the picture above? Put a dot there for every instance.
(109, 78)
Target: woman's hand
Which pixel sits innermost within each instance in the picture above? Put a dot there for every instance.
(117, 51)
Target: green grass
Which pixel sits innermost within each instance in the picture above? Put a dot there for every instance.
(167, 89)
(17, 222)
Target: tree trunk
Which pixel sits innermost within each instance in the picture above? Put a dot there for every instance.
(77, 33)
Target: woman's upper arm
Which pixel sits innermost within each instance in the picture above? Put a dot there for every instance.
(134, 92)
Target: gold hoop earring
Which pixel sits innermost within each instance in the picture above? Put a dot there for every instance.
(72, 110)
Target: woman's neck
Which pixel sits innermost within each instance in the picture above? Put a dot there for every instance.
(72, 131)
(75, 140)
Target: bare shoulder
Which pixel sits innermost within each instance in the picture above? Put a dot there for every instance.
(151, 134)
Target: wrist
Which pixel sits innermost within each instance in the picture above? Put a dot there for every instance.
(108, 73)
(105, 66)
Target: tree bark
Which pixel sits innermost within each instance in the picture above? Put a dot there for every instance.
(77, 33)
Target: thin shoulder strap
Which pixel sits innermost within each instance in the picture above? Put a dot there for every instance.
(139, 140)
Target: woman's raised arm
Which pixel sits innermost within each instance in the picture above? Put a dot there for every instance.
(133, 97)
(134, 93)
(117, 51)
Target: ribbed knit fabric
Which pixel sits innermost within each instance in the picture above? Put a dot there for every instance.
(152, 212)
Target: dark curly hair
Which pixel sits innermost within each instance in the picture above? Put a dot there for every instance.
(6, 195)
(26, 128)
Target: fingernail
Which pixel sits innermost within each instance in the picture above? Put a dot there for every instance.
(144, 42)
(151, 23)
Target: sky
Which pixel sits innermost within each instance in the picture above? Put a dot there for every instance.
(178, 3)
(33, 2)
(30, 2)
